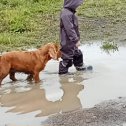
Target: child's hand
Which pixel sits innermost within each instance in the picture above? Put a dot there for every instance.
(78, 44)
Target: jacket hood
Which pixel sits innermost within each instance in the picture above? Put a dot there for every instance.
(72, 4)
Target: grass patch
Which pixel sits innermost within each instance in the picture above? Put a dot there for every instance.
(27, 23)
(109, 47)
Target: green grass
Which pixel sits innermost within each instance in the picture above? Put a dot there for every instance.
(31, 23)
(26, 23)
(109, 46)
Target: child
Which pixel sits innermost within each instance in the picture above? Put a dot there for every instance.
(70, 38)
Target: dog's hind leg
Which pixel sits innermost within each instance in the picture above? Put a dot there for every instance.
(2, 76)
(12, 76)
(4, 71)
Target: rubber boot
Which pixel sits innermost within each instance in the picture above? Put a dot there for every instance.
(78, 62)
(84, 68)
(64, 66)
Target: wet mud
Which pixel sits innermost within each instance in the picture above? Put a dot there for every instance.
(91, 98)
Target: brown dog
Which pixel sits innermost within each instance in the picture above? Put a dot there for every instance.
(27, 62)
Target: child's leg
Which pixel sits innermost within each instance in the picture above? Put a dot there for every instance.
(64, 66)
(78, 61)
(67, 53)
(78, 58)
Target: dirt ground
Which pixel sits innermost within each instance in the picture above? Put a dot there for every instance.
(112, 29)
(107, 113)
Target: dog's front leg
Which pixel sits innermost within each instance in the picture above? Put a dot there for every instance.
(30, 77)
(36, 77)
(12, 76)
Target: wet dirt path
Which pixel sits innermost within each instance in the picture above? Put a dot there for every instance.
(23, 103)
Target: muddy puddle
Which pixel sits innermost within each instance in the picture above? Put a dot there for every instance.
(23, 103)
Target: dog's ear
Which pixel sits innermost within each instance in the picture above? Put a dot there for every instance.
(53, 52)
(58, 54)
(57, 46)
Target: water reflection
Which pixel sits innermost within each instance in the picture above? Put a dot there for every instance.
(36, 99)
